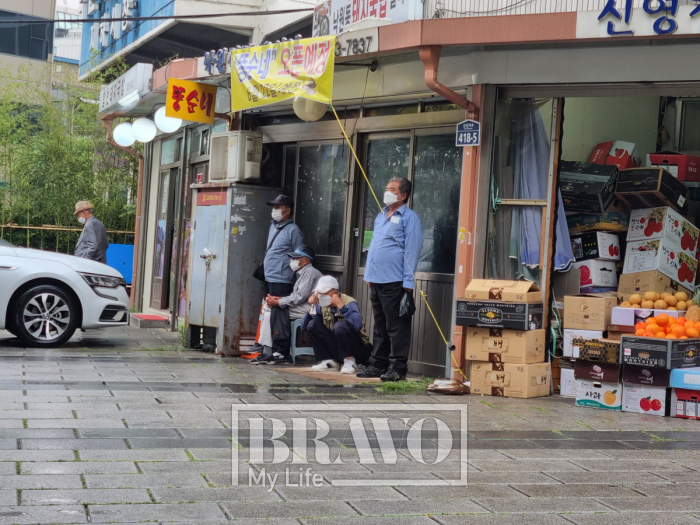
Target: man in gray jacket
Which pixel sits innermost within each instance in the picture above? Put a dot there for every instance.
(92, 243)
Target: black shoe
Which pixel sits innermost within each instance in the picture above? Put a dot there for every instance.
(371, 371)
(279, 359)
(261, 360)
(393, 375)
(257, 347)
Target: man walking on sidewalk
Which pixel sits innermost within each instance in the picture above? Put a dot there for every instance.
(391, 264)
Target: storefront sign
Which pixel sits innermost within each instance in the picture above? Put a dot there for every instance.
(215, 62)
(468, 133)
(357, 42)
(211, 197)
(191, 101)
(128, 88)
(264, 75)
(655, 17)
(102, 32)
(332, 16)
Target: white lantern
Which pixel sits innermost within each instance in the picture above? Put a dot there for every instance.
(144, 130)
(167, 124)
(309, 110)
(123, 135)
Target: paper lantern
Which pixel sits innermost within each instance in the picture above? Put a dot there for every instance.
(144, 130)
(123, 134)
(167, 124)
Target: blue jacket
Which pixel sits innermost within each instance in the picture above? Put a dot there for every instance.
(277, 261)
(350, 312)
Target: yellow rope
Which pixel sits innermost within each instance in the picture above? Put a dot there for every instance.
(381, 210)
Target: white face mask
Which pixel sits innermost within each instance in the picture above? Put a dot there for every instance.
(277, 215)
(324, 300)
(294, 265)
(81, 220)
(390, 198)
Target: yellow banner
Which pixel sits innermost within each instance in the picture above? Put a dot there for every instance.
(190, 101)
(267, 74)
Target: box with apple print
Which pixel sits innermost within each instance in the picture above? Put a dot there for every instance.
(663, 223)
(662, 255)
(645, 390)
(596, 245)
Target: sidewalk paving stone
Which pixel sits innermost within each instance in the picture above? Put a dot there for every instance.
(137, 481)
(84, 496)
(26, 515)
(79, 467)
(194, 512)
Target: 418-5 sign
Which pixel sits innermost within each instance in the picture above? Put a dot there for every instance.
(468, 133)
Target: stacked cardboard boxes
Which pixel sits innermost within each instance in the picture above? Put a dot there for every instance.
(505, 341)
(685, 393)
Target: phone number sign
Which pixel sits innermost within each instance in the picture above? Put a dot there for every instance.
(468, 133)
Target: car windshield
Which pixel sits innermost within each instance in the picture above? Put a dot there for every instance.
(4, 243)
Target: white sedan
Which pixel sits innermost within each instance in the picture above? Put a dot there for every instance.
(46, 296)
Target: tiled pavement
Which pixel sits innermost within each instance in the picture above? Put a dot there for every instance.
(116, 428)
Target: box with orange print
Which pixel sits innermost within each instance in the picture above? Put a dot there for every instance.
(598, 385)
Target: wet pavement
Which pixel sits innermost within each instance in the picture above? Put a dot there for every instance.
(120, 427)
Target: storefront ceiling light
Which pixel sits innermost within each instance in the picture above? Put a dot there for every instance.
(144, 130)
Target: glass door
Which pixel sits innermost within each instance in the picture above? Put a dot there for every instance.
(160, 288)
(432, 162)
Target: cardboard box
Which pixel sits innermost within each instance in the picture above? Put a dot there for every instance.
(650, 400)
(661, 255)
(646, 375)
(685, 403)
(688, 378)
(660, 353)
(614, 335)
(505, 346)
(567, 383)
(597, 273)
(616, 153)
(596, 245)
(510, 380)
(663, 223)
(642, 282)
(598, 350)
(593, 394)
(491, 314)
(624, 319)
(598, 289)
(588, 312)
(681, 165)
(592, 371)
(506, 291)
(570, 335)
(611, 221)
(585, 187)
(652, 188)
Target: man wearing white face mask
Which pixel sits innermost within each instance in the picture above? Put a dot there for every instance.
(336, 329)
(392, 261)
(92, 243)
(283, 309)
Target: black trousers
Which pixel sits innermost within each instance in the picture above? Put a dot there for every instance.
(342, 342)
(392, 334)
(279, 290)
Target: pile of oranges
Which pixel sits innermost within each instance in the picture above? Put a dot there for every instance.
(666, 327)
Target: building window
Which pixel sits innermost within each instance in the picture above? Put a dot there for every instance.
(30, 40)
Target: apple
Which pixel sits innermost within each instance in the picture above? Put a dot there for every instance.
(656, 405)
(617, 251)
(659, 226)
(643, 220)
(645, 404)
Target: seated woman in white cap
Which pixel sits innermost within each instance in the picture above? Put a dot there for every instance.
(336, 329)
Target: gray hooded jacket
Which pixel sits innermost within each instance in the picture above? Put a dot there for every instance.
(92, 243)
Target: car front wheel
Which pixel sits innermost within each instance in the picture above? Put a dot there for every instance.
(45, 316)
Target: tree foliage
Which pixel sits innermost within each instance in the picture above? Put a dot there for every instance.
(54, 153)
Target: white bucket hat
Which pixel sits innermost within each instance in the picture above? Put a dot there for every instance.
(326, 284)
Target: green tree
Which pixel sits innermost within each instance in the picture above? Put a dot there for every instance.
(54, 153)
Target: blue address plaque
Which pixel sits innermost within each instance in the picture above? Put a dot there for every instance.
(468, 133)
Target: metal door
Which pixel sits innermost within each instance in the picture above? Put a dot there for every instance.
(430, 160)
(207, 275)
(160, 289)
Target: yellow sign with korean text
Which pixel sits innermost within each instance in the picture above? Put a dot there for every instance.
(268, 74)
(191, 101)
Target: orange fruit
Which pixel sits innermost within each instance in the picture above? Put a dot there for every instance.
(683, 337)
(640, 332)
(681, 321)
(660, 335)
(640, 326)
(653, 328)
(678, 330)
(672, 321)
(650, 320)
(671, 336)
(692, 332)
(662, 320)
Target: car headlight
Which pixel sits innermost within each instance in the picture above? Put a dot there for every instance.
(103, 281)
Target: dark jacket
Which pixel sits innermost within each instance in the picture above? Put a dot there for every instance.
(92, 243)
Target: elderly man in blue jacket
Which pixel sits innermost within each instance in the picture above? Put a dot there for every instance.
(336, 329)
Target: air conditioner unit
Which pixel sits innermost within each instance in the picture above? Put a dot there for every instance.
(235, 156)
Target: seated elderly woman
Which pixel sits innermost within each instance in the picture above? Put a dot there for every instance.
(336, 329)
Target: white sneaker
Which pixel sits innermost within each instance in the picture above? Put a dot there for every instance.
(277, 355)
(349, 367)
(326, 365)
